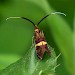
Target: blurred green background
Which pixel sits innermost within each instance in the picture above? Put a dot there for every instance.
(16, 34)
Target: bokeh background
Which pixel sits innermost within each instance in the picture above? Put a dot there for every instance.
(16, 34)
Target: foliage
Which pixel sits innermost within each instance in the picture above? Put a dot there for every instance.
(16, 34)
(30, 65)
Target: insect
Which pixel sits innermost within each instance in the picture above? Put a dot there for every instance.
(40, 41)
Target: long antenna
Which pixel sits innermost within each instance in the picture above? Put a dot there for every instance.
(22, 18)
(28, 20)
(50, 14)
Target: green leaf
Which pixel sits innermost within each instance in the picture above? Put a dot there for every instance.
(74, 45)
(6, 59)
(31, 65)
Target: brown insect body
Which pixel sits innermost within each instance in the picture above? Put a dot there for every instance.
(40, 43)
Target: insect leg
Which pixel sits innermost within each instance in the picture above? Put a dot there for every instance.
(47, 49)
(33, 40)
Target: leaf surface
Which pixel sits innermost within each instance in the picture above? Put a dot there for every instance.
(31, 65)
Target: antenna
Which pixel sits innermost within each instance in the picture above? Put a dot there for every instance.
(22, 18)
(53, 13)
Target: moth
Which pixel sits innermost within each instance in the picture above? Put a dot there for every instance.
(40, 41)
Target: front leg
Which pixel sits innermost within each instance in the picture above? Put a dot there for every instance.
(33, 40)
